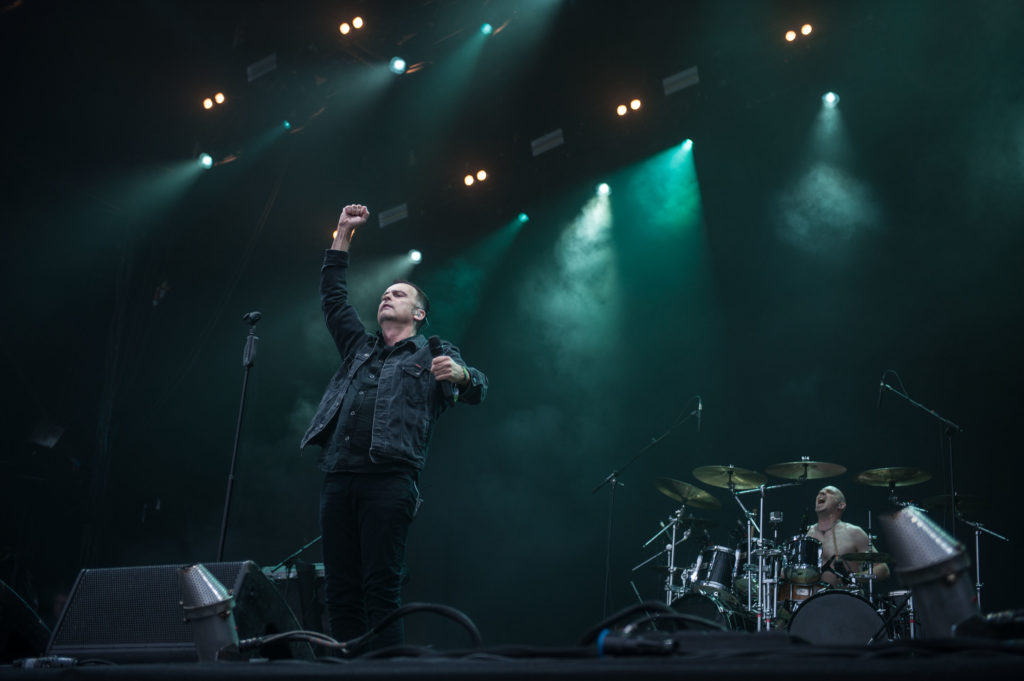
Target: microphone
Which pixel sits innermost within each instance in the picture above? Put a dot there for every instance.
(700, 409)
(450, 389)
(252, 317)
(881, 390)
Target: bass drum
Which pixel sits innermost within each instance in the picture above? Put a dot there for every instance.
(709, 607)
(836, 618)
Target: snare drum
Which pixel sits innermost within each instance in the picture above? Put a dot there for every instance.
(714, 572)
(836, 617)
(802, 560)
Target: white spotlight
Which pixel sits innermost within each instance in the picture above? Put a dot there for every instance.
(830, 99)
(415, 256)
(603, 189)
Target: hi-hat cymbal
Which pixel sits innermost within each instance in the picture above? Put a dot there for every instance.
(805, 470)
(866, 557)
(964, 502)
(686, 493)
(894, 476)
(729, 476)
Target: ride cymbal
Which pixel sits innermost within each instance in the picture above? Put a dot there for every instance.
(729, 477)
(893, 476)
(805, 470)
(686, 493)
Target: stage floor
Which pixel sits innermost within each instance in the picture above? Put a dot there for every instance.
(711, 655)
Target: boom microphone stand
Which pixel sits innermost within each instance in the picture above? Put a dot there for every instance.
(613, 480)
(949, 431)
(248, 357)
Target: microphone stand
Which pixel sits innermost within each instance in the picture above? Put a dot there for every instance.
(248, 357)
(613, 480)
(950, 430)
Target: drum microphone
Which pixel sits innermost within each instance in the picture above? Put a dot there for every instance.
(450, 390)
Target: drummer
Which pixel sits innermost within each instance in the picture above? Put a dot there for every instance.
(839, 538)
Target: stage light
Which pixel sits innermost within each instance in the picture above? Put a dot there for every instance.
(830, 99)
(621, 109)
(287, 125)
(415, 257)
(635, 104)
(344, 28)
(207, 103)
(687, 144)
(481, 175)
(219, 98)
(790, 36)
(806, 29)
(603, 189)
(468, 179)
(397, 65)
(205, 161)
(487, 29)
(357, 23)
(523, 218)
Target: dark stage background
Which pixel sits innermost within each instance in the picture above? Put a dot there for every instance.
(776, 269)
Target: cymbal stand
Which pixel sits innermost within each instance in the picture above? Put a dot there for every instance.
(670, 549)
(768, 587)
(978, 529)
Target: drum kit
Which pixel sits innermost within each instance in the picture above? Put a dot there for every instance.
(765, 582)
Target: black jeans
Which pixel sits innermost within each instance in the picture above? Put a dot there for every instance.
(365, 519)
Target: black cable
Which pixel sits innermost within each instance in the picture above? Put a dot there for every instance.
(355, 644)
(591, 634)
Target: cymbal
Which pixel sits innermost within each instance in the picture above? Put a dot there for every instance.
(729, 476)
(687, 493)
(964, 502)
(894, 476)
(866, 557)
(805, 470)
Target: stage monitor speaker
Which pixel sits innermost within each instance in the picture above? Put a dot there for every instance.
(134, 614)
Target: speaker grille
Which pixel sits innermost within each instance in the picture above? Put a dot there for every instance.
(134, 614)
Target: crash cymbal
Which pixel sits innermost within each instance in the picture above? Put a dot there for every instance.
(866, 557)
(964, 502)
(894, 476)
(729, 476)
(686, 493)
(805, 470)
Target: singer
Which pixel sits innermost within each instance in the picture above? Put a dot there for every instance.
(374, 424)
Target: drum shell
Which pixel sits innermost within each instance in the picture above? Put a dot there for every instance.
(709, 607)
(836, 617)
(802, 560)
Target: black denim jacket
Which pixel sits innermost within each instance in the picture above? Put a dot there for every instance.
(409, 399)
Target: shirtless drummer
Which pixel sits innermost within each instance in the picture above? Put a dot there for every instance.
(839, 538)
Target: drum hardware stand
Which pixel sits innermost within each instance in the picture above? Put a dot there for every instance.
(978, 529)
(613, 481)
(670, 548)
(767, 588)
(908, 605)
